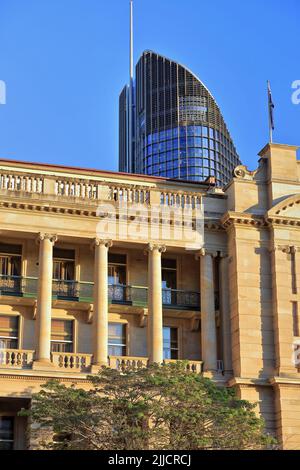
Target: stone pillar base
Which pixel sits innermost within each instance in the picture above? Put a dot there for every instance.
(215, 376)
(43, 365)
(95, 368)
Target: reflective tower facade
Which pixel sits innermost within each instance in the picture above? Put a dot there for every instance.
(178, 131)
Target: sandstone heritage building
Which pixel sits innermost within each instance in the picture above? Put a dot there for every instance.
(74, 298)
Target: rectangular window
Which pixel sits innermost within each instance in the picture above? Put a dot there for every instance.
(64, 273)
(10, 265)
(62, 335)
(170, 342)
(63, 264)
(296, 329)
(9, 332)
(10, 260)
(116, 269)
(116, 339)
(6, 432)
(169, 280)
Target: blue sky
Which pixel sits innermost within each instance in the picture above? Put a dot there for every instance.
(64, 63)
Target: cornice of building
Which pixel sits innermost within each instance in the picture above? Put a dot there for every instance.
(285, 381)
(99, 175)
(273, 145)
(248, 381)
(240, 218)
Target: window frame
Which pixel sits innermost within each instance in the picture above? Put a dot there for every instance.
(114, 264)
(12, 441)
(172, 327)
(12, 338)
(73, 342)
(125, 346)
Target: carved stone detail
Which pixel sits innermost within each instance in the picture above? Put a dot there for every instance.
(46, 236)
(154, 246)
(99, 241)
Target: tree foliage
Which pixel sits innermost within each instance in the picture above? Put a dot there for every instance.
(158, 408)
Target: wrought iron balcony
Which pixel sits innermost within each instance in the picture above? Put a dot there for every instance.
(18, 286)
(119, 294)
(79, 291)
(180, 299)
(65, 290)
(130, 295)
(139, 296)
(86, 291)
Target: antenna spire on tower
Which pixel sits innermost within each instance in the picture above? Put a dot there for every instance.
(130, 95)
(131, 40)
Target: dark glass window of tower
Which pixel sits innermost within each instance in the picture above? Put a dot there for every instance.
(180, 130)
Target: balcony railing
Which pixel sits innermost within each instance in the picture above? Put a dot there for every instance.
(120, 294)
(65, 289)
(83, 292)
(193, 366)
(72, 362)
(81, 362)
(18, 286)
(16, 358)
(123, 363)
(186, 300)
(126, 362)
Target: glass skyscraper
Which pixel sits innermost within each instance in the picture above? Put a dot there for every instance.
(178, 130)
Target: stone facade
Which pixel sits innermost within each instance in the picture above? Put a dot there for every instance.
(102, 268)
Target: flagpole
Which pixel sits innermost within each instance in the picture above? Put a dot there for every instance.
(269, 114)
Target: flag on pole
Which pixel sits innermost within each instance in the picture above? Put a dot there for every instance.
(271, 110)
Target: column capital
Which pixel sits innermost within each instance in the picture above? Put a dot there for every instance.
(46, 236)
(284, 249)
(104, 242)
(155, 246)
(205, 252)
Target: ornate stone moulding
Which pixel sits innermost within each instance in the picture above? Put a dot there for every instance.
(288, 203)
(237, 218)
(143, 216)
(294, 222)
(242, 172)
(286, 212)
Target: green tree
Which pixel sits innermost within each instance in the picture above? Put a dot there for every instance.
(158, 408)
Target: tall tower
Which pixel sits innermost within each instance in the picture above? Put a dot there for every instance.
(175, 128)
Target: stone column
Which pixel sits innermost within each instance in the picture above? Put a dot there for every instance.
(155, 311)
(208, 317)
(225, 313)
(100, 316)
(282, 310)
(44, 299)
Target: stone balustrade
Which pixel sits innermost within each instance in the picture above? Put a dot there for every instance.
(16, 358)
(71, 362)
(193, 366)
(21, 182)
(133, 363)
(81, 363)
(127, 362)
(129, 194)
(77, 188)
(94, 190)
(180, 199)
